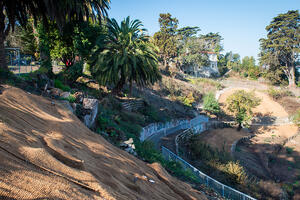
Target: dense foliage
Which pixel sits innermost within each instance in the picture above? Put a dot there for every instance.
(210, 104)
(125, 56)
(240, 104)
(280, 50)
(165, 38)
(59, 11)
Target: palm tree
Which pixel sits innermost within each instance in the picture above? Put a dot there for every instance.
(62, 11)
(125, 56)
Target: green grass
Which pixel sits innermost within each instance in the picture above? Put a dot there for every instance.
(70, 98)
(60, 85)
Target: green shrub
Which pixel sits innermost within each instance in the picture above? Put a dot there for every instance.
(187, 100)
(147, 151)
(133, 118)
(74, 72)
(245, 74)
(210, 104)
(152, 115)
(60, 85)
(70, 98)
(278, 94)
(131, 128)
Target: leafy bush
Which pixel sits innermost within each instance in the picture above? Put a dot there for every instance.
(241, 103)
(131, 128)
(133, 118)
(278, 94)
(210, 104)
(212, 160)
(236, 171)
(187, 100)
(152, 115)
(276, 77)
(147, 151)
(74, 72)
(60, 85)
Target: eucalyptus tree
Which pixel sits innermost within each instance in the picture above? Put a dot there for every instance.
(281, 49)
(18, 11)
(125, 55)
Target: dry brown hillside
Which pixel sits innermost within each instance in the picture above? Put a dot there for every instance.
(47, 153)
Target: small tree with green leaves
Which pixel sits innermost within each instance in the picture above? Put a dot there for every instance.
(210, 104)
(240, 104)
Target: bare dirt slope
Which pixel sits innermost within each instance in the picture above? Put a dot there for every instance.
(47, 153)
(260, 154)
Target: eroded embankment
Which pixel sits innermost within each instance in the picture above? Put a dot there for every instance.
(46, 152)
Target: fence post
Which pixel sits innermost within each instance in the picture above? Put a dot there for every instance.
(206, 181)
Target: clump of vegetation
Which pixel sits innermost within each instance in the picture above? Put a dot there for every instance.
(187, 100)
(128, 49)
(240, 104)
(210, 104)
(278, 94)
(296, 117)
(218, 163)
(148, 153)
(206, 81)
(60, 85)
(152, 115)
(72, 73)
(70, 98)
(119, 124)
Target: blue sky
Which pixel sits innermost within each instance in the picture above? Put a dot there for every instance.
(240, 22)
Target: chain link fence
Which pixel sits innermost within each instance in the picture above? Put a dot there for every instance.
(222, 189)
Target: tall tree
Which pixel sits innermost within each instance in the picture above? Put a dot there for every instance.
(213, 41)
(165, 38)
(17, 11)
(125, 56)
(188, 32)
(281, 49)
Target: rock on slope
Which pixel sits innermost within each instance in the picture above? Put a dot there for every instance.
(47, 153)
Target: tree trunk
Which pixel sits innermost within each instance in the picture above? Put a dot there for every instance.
(239, 127)
(44, 47)
(117, 89)
(291, 76)
(3, 63)
(3, 34)
(130, 88)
